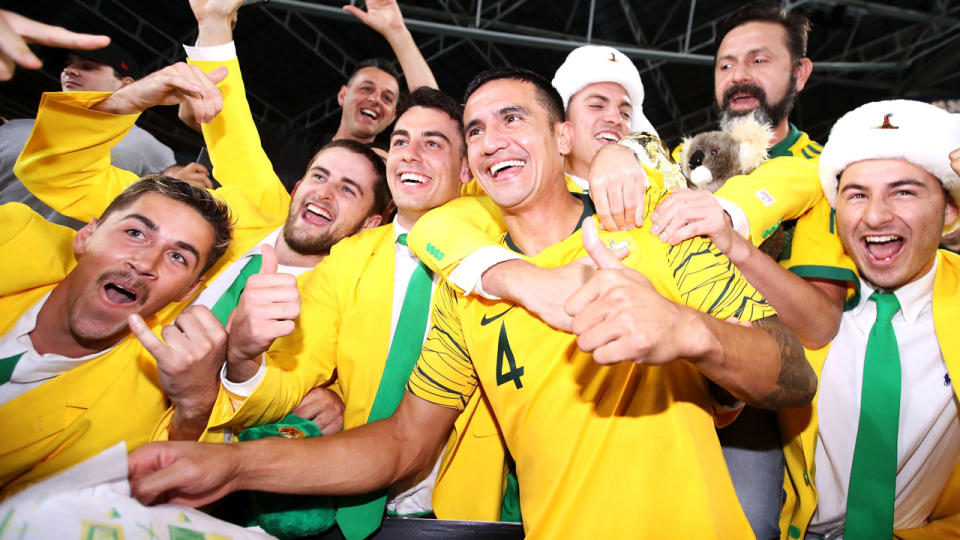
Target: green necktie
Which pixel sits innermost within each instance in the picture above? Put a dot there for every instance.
(7, 366)
(228, 302)
(873, 477)
(359, 516)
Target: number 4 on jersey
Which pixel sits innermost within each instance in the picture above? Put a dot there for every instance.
(505, 353)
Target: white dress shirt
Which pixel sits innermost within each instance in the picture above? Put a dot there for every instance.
(929, 430)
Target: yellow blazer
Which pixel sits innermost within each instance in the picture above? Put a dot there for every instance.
(799, 426)
(344, 328)
(74, 416)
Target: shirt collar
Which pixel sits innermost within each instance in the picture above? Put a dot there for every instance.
(582, 182)
(913, 296)
(782, 148)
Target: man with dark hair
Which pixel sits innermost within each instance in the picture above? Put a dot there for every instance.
(73, 381)
(359, 320)
(601, 450)
(101, 70)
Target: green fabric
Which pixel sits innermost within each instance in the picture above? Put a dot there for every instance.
(289, 516)
(873, 477)
(7, 365)
(226, 304)
(510, 506)
(359, 516)
(782, 148)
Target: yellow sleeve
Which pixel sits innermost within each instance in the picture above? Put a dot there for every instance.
(444, 375)
(707, 281)
(234, 145)
(815, 251)
(295, 363)
(780, 189)
(33, 251)
(66, 161)
(444, 236)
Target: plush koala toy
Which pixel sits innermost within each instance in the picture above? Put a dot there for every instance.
(710, 158)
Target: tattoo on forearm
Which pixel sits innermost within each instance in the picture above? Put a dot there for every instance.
(796, 382)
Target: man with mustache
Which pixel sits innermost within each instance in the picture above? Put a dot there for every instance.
(73, 380)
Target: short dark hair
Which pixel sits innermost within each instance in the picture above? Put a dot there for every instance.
(796, 24)
(431, 98)
(547, 95)
(380, 63)
(211, 209)
(381, 193)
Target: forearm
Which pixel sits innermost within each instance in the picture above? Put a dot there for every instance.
(804, 308)
(764, 366)
(358, 460)
(414, 65)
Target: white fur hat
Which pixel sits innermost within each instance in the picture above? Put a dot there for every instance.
(914, 131)
(595, 64)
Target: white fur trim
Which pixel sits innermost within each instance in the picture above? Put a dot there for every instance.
(595, 64)
(924, 135)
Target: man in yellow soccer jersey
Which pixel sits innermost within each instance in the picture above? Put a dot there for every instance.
(876, 455)
(606, 450)
(73, 380)
(363, 318)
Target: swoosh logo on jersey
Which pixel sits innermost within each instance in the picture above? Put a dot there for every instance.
(485, 321)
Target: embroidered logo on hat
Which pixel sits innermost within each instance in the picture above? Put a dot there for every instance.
(886, 123)
(613, 57)
(124, 66)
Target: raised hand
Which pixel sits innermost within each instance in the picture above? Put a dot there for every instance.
(169, 86)
(268, 309)
(189, 358)
(16, 31)
(381, 15)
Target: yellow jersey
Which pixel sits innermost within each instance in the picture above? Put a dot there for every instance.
(618, 451)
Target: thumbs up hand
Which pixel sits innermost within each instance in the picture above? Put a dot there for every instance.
(268, 309)
(618, 315)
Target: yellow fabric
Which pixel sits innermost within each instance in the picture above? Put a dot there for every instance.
(816, 250)
(66, 164)
(799, 426)
(344, 327)
(74, 416)
(444, 236)
(632, 449)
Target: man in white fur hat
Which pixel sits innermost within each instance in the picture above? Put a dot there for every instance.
(886, 446)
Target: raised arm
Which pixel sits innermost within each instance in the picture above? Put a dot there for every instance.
(384, 16)
(239, 161)
(359, 460)
(66, 161)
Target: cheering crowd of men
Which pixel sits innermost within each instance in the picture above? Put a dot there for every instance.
(508, 314)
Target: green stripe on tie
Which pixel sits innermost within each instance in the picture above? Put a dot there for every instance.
(228, 302)
(873, 477)
(359, 516)
(7, 366)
